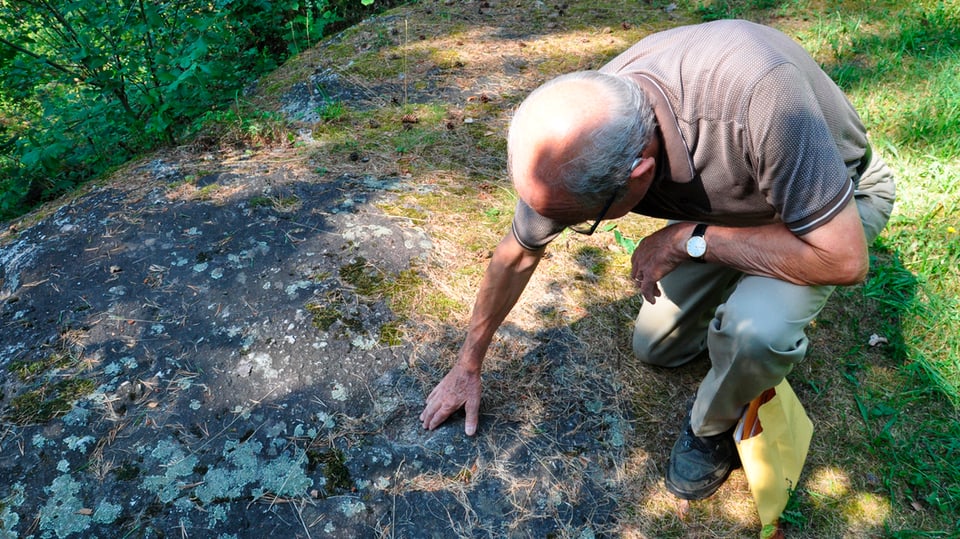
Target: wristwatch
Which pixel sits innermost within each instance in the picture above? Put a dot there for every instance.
(697, 244)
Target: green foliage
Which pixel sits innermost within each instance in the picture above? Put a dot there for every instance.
(240, 125)
(86, 85)
(628, 245)
(792, 514)
(332, 111)
(712, 10)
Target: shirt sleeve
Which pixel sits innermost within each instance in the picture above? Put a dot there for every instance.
(532, 230)
(800, 170)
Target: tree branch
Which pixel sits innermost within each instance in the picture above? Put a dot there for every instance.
(59, 67)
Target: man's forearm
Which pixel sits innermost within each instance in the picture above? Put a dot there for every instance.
(834, 254)
(504, 281)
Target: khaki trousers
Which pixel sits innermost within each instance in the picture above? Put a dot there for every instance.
(753, 327)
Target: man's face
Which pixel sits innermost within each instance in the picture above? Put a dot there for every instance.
(551, 131)
(534, 177)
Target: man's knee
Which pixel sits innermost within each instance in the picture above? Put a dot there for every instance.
(662, 352)
(771, 344)
(643, 348)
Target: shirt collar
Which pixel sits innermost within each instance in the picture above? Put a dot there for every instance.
(676, 151)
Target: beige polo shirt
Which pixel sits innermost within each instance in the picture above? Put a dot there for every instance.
(754, 131)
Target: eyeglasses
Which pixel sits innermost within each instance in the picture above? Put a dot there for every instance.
(587, 229)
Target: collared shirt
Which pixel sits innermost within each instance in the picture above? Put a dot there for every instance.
(753, 131)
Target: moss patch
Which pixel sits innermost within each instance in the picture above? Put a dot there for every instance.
(30, 371)
(277, 203)
(400, 291)
(366, 279)
(332, 464)
(126, 472)
(48, 401)
(324, 316)
(412, 212)
(391, 334)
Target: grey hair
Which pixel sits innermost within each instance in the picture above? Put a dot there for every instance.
(604, 165)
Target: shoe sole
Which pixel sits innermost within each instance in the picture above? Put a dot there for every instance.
(701, 494)
(698, 494)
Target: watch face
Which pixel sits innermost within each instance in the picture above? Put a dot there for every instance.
(696, 246)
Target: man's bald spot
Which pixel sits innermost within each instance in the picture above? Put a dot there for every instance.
(549, 131)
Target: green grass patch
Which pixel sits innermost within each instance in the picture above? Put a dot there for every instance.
(899, 63)
(712, 10)
(30, 371)
(48, 401)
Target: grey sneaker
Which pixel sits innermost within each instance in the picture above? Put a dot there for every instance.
(698, 466)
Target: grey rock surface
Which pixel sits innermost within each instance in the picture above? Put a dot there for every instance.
(228, 378)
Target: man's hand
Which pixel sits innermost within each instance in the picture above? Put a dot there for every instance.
(656, 256)
(459, 388)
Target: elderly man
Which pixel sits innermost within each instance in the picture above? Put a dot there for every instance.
(733, 133)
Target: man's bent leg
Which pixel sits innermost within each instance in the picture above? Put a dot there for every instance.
(755, 340)
(758, 335)
(875, 195)
(673, 330)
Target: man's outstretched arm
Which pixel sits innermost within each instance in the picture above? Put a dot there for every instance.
(507, 275)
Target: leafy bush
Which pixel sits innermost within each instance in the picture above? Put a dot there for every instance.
(85, 85)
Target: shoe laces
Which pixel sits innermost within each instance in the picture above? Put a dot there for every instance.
(706, 444)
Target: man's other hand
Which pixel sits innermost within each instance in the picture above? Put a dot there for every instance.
(459, 388)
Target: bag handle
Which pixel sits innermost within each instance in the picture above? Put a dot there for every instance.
(751, 419)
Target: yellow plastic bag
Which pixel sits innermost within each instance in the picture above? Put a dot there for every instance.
(773, 437)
